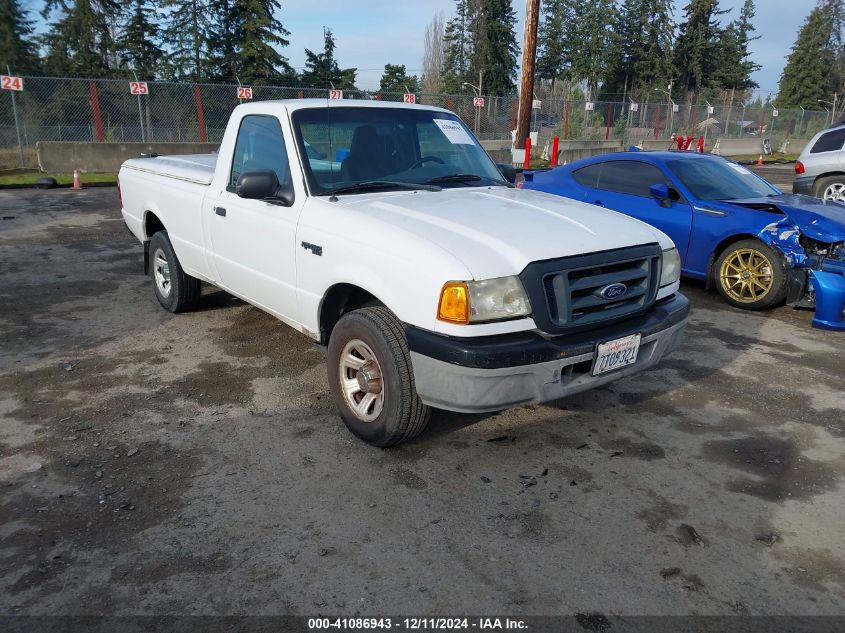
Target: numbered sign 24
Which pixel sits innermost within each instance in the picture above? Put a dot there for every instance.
(410, 98)
(138, 88)
(478, 102)
(10, 82)
(335, 94)
(244, 92)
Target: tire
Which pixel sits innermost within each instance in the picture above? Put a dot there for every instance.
(370, 342)
(751, 275)
(175, 289)
(830, 188)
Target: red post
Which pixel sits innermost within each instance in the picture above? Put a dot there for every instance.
(99, 131)
(566, 120)
(700, 145)
(680, 140)
(200, 114)
(609, 119)
(554, 151)
(300, 94)
(450, 104)
(527, 161)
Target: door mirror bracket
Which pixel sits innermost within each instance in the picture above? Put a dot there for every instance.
(263, 184)
(664, 194)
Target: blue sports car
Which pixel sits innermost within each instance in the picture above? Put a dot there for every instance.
(732, 228)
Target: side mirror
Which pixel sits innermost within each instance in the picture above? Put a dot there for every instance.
(664, 194)
(508, 172)
(263, 184)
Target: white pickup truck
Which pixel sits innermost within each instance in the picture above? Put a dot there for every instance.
(386, 233)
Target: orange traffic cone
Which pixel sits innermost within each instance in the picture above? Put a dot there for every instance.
(77, 179)
(760, 160)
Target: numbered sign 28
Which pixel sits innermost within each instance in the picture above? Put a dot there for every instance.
(478, 102)
(244, 92)
(10, 82)
(409, 97)
(138, 88)
(335, 94)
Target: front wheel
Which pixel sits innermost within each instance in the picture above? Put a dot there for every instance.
(372, 380)
(751, 275)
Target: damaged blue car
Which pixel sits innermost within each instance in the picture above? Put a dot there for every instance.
(759, 246)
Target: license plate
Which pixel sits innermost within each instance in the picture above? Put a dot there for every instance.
(616, 354)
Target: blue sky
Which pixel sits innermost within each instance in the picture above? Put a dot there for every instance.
(371, 33)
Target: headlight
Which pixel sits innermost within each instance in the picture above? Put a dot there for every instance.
(671, 271)
(486, 300)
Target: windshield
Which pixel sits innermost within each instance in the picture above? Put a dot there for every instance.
(720, 180)
(390, 148)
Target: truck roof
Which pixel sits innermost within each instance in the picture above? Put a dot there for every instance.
(299, 104)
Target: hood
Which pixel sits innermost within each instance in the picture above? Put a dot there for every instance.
(498, 231)
(821, 220)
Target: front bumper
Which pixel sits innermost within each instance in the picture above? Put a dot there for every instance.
(803, 184)
(496, 372)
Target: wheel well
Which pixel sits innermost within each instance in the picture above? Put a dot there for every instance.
(722, 246)
(338, 300)
(830, 173)
(152, 224)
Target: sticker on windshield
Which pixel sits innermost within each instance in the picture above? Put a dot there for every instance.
(454, 131)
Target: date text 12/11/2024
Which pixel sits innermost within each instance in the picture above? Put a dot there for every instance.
(416, 624)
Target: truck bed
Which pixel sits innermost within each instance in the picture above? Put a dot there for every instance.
(197, 168)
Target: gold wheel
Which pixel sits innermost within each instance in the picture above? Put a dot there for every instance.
(746, 275)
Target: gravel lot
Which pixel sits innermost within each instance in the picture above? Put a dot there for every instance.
(193, 464)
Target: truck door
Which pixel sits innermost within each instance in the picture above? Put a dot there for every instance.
(252, 241)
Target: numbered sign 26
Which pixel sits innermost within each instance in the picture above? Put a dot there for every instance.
(138, 88)
(10, 82)
(478, 102)
(335, 94)
(409, 98)
(244, 92)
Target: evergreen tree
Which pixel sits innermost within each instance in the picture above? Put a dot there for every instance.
(396, 79)
(812, 72)
(186, 33)
(592, 43)
(734, 67)
(139, 37)
(554, 53)
(79, 41)
(697, 47)
(457, 48)
(323, 71)
(493, 29)
(17, 48)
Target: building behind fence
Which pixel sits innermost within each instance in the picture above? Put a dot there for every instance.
(104, 110)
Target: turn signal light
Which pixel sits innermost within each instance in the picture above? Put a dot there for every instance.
(799, 167)
(454, 303)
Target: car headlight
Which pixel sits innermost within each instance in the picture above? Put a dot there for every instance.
(671, 271)
(485, 300)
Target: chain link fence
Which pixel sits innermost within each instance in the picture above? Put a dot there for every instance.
(104, 110)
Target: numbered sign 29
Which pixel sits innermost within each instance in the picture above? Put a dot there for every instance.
(10, 82)
(409, 97)
(335, 94)
(478, 102)
(244, 92)
(138, 88)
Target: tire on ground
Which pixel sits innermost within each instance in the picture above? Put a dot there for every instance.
(822, 184)
(776, 293)
(175, 289)
(403, 415)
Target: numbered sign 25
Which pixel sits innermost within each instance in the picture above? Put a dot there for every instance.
(138, 88)
(335, 94)
(244, 92)
(10, 82)
(410, 98)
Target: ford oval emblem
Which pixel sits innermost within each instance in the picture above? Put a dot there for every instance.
(613, 291)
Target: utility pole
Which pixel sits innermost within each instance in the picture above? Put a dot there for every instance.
(529, 56)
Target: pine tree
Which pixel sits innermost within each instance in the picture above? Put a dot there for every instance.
(697, 46)
(139, 37)
(80, 40)
(322, 69)
(811, 73)
(186, 34)
(396, 79)
(493, 29)
(457, 47)
(591, 42)
(554, 52)
(734, 67)
(17, 48)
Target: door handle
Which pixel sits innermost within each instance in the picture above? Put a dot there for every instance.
(220, 211)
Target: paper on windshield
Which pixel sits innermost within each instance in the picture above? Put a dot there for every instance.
(454, 131)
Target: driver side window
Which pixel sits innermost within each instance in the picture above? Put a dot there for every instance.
(260, 145)
(629, 177)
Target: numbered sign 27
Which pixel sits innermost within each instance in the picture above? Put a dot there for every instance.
(478, 102)
(335, 94)
(10, 82)
(244, 92)
(409, 97)
(138, 88)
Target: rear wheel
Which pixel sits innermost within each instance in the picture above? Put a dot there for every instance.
(751, 275)
(175, 289)
(372, 380)
(830, 188)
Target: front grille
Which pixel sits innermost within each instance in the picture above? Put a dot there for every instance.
(566, 296)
